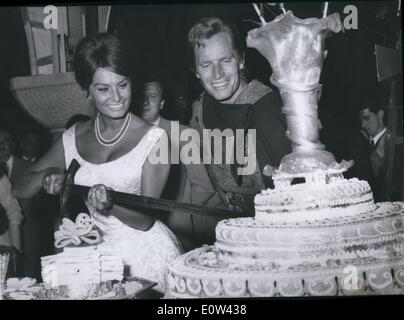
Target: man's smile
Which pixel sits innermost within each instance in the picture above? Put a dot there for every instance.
(219, 85)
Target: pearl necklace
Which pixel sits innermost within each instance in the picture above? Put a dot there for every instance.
(117, 138)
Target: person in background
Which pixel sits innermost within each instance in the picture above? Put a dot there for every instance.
(14, 164)
(113, 151)
(37, 227)
(13, 168)
(151, 108)
(153, 100)
(368, 145)
(177, 186)
(229, 101)
(10, 219)
(32, 145)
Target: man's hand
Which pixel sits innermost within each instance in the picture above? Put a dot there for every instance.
(52, 180)
(234, 203)
(98, 199)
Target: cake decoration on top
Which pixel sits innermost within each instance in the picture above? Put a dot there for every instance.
(74, 233)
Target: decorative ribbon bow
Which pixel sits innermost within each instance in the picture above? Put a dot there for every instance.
(77, 232)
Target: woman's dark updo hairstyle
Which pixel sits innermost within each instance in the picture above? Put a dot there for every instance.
(103, 50)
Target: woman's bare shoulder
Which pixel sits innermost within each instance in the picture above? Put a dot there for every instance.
(140, 126)
(83, 127)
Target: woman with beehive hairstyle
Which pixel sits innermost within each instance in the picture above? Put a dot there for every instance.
(112, 150)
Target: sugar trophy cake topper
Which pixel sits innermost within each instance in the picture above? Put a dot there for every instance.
(295, 50)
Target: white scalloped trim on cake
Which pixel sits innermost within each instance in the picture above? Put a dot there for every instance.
(335, 187)
(249, 232)
(386, 277)
(382, 210)
(315, 200)
(317, 214)
(325, 257)
(304, 247)
(312, 204)
(186, 266)
(309, 248)
(290, 244)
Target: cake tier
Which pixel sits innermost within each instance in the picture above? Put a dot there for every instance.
(79, 266)
(307, 201)
(361, 254)
(200, 274)
(251, 242)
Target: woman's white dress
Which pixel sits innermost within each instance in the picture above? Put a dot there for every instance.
(146, 253)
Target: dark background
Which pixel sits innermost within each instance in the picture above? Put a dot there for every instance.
(158, 34)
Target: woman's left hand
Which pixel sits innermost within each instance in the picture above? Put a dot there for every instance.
(99, 199)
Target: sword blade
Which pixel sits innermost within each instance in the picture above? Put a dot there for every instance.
(134, 201)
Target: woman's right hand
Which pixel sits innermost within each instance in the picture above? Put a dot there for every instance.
(52, 180)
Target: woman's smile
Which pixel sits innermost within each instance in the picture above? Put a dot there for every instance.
(111, 93)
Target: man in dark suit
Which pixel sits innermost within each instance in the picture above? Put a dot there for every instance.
(32, 144)
(367, 147)
(178, 185)
(31, 232)
(12, 167)
(153, 104)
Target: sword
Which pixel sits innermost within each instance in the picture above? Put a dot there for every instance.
(137, 201)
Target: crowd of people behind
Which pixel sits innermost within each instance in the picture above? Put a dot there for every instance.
(113, 151)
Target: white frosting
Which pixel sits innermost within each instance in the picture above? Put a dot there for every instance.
(308, 201)
(186, 278)
(78, 266)
(303, 251)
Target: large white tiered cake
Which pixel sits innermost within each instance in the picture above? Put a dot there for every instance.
(315, 233)
(352, 253)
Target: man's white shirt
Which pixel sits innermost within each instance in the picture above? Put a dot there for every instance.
(378, 136)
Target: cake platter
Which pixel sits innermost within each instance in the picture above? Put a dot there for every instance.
(27, 289)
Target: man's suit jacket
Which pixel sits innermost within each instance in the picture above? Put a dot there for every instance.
(175, 178)
(37, 226)
(360, 150)
(188, 228)
(30, 228)
(19, 166)
(195, 174)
